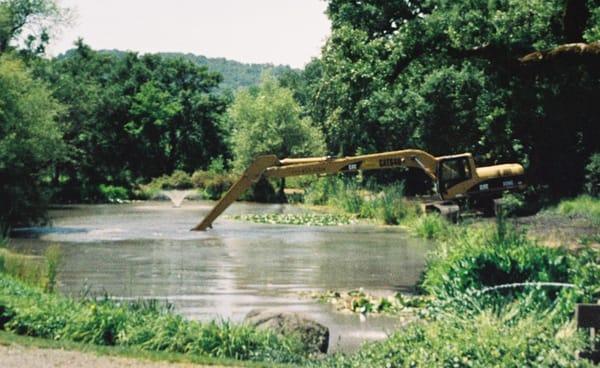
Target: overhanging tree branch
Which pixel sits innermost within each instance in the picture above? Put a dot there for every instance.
(573, 53)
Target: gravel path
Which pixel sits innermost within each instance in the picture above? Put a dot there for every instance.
(15, 356)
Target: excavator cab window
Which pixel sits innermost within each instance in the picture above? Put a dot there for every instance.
(453, 171)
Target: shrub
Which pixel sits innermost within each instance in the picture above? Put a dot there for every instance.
(113, 194)
(217, 166)
(262, 191)
(486, 257)
(592, 175)
(200, 177)
(216, 186)
(487, 339)
(512, 204)
(177, 180)
(432, 226)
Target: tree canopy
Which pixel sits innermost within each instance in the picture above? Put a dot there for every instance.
(451, 76)
(30, 143)
(36, 17)
(267, 120)
(130, 118)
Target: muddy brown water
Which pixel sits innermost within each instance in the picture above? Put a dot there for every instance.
(145, 250)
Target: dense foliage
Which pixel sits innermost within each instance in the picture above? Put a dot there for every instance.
(266, 120)
(130, 118)
(30, 143)
(475, 259)
(447, 77)
(487, 340)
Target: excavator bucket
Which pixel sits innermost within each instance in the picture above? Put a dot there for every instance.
(251, 175)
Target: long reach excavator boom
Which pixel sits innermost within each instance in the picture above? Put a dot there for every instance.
(454, 176)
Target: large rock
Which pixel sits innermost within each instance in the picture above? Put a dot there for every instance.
(314, 335)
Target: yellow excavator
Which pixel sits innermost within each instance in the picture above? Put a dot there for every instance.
(456, 178)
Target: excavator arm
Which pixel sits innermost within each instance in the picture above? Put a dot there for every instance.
(271, 166)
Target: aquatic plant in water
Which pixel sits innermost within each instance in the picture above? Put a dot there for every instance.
(307, 219)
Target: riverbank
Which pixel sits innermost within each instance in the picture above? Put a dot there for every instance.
(470, 258)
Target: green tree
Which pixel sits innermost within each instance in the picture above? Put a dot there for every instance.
(30, 144)
(267, 120)
(450, 76)
(38, 17)
(131, 118)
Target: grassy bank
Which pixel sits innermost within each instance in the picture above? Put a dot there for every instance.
(144, 326)
(491, 296)
(487, 339)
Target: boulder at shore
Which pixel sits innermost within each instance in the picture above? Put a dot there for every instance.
(314, 335)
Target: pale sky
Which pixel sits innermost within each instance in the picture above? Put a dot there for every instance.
(253, 31)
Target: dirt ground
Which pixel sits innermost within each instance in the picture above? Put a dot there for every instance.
(15, 356)
(560, 230)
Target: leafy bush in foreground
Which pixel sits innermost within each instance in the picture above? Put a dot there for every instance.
(488, 257)
(488, 339)
(30, 312)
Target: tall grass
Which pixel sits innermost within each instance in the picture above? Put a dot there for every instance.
(488, 339)
(38, 271)
(584, 206)
(28, 311)
(53, 257)
(432, 226)
(385, 204)
(30, 269)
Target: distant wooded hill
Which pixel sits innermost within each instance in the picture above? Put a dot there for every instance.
(235, 74)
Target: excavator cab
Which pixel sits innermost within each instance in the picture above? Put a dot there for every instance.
(453, 170)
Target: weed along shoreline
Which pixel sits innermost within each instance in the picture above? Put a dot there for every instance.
(454, 296)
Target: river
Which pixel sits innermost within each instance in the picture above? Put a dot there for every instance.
(145, 250)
